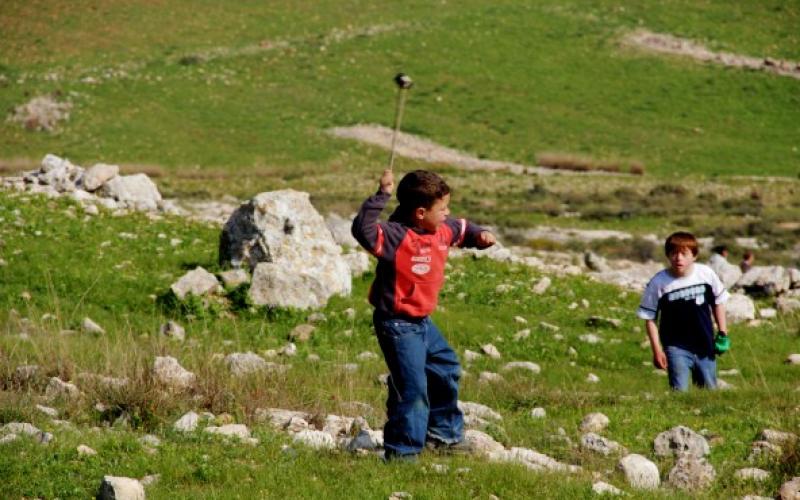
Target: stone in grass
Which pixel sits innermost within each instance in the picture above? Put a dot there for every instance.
(491, 351)
(187, 423)
(84, 450)
(779, 438)
(680, 440)
(25, 428)
(594, 422)
(541, 286)
(598, 444)
(603, 322)
(8, 438)
(790, 490)
(602, 488)
(490, 377)
(315, 439)
(793, 359)
(691, 474)
(764, 451)
(591, 338)
(234, 277)
(479, 410)
(89, 326)
(136, 191)
(168, 372)
(366, 356)
(245, 363)
(97, 175)
(173, 330)
(751, 474)
(592, 378)
(538, 412)
(301, 333)
(230, 430)
(150, 440)
(400, 495)
(470, 356)
(120, 488)
(197, 282)
(50, 412)
(366, 440)
(58, 389)
(640, 472)
(523, 365)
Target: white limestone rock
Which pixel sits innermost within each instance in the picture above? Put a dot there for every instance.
(491, 351)
(234, 277)
(594, 422)
(173, 330)
(84, 450)
(120, 488)
(197, 282)
(245, 363)
(538, 412)
(523, 365)
(284, 241)
(531, 459)
(97, 175)
(169, 372)
(681, 440)
(187, 423)
(135, 191)
(481, 443)
(640, 472)
(602, 488)
(315, 439)
(239, 431)
(752, 474)
(89, 326)
(598, 444)
(58, 389)
(691, 474)
(765, 280)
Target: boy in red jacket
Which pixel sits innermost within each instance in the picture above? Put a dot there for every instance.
(412, 249)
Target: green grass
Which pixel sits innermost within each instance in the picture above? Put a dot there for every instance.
(70, 274)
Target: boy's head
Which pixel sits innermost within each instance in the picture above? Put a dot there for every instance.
(748, 256)
(681, 250)
(424, 197)
(721, 250)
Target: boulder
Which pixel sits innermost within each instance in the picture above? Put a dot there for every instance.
(302, 333)
(168, 372)
(481, 443)
(230, 430)
(315, 439)
(282, 239)
(787, 305)
(598, 444)
(340, 230)
(358, 262)
(135, 191)
(594, 422)
(234, 277)
(120, 488)
(765, 280)
(196, 282)
(24, 428)
(187, 423)
(58, 173)
(764, 451)
(739, 308)
(790, 490)
(478, 410)
(681, 440)
(794, 277)
(691, 474)
(640, 472)
(245, 363)
(728, 273)
(780, 438)
(595, 263)
(94, 178)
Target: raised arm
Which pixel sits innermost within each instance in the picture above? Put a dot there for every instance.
(366, 227)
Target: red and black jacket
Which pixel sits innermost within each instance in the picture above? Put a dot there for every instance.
(411, 261)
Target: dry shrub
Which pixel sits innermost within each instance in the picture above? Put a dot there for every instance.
(637, 168)
(563, 161)
(15, 165)
(41, 113)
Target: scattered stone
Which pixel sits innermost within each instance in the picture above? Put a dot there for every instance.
(601, 488)
(751, 474)
(84, 450)
(282, 239)
(691, 473)
(120, 488)
(522, 334)
(481, 443)
(640, 472)
(288, 350)
(740, 308)
(594, 422)
(764, 451)
(95, 177)
(595, 263)
(728, 273)
(779, 438)
(150, 479)
(230, 430)
(491, 351)
(548, 326)
(302, 333)
(315, 439)
(598, 444)
(681, 440)
(531, 459)
(135, 191)
(58, 389)
(479, 410)
(523, 365)
(198, 282)
(25, 428)
(234, 277)
(367, 356)
(767, 313)
(245, 363)
(187, 423)
(168, 372)
(591, 338)
(366, 440)
(790, 490)
(41, 113)
(151, 440)
(89, 326)
(793, 359)
(490, 377)
(8, 438)
(592, 378)
(787, 305)
(173, 330)
(520, 320)
(765, 280)
(50, 412)
(400, 495)
(541, 286)
(470, 356)
(538, 412)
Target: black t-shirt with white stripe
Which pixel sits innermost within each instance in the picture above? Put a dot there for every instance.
(683, 308)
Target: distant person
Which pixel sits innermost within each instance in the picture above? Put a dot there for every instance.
(411, 249)
(718, 254)
(684, 297)
(747, 261)
(728, 273)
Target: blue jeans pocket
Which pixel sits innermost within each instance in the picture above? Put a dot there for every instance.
(400, 328)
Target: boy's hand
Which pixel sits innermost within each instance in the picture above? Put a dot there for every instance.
(721, 343)
(387, 181)
(486, 239)
(660, 360)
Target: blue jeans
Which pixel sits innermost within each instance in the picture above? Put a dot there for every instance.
(681, 362)
(423, 385)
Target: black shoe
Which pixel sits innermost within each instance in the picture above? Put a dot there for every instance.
(462, 447)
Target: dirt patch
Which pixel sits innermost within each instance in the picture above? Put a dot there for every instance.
(668, 44)
(417, 148)
(41, 113)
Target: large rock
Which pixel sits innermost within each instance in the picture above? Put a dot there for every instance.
(167, 371)
(740, 308)
(245, 363)
(120, 488)
(691, 474)
(790, 490)
(58, 173)
(96, 176)
(640, 472)
(727, 272)
(285, 242)
(18, 428)
(765, 280)
(196, 282)
(136, 191)
(681, 440)
(340, 230)
(787, 305)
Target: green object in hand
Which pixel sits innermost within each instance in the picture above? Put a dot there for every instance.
(721, 343)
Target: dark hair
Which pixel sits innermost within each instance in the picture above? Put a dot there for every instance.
(720, 249)
(747, 254)
(680, 241)
(420, 188)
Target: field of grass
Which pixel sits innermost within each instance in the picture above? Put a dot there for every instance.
(235, 99)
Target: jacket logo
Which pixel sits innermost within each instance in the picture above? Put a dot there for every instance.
(420, 269)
